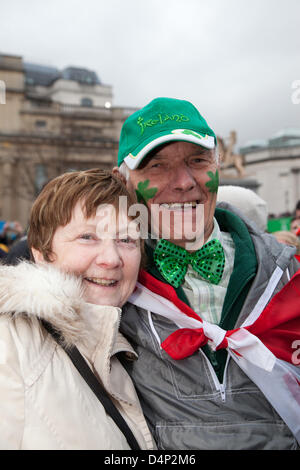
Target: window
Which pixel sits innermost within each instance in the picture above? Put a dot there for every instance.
(41, 177)
(87, 102)
(40, 124)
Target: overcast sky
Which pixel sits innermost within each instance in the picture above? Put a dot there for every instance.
(235, 60)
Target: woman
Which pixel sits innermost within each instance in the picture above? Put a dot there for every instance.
(86, 266)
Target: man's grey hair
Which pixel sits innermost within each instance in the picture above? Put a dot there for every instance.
(124, 170)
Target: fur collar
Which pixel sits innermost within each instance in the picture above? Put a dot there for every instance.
(44, 292)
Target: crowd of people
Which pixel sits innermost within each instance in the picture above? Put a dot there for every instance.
(112, 340)
(10, 233)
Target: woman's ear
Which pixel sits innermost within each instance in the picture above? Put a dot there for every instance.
(37, 255)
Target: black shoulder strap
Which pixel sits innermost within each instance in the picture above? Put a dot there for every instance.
(85, 371)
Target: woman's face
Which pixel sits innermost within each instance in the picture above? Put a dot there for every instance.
(102, 251)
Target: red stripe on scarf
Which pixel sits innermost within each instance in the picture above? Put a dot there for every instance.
(278, 326)
(166, 291)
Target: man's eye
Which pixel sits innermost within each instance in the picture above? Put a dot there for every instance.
(154, 165)
(199, 161)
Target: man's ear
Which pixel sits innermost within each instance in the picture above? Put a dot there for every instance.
(37, 255)
(116, 172)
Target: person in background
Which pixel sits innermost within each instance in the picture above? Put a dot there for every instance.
(206, 276)
(18, 252)
(3, 251)
(247, 201)
(10, 233)
(288, 238)
(297, 210)
(295, 226)
(81, 277)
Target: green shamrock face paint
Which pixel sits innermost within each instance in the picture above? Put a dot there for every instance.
(144, 193)
(213, 184)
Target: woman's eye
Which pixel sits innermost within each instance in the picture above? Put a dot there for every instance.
(127, 241)
(87, 236)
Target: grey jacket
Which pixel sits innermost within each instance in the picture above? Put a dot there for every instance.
(184, 402)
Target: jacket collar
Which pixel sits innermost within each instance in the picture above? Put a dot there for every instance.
(44, 292)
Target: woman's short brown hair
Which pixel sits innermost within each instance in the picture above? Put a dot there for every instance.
(55, 204)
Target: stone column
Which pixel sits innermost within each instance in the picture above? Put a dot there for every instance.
(6, 189)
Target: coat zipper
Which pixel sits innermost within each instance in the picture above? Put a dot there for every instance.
(220, 387)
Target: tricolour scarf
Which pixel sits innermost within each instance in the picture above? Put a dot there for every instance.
(266, 346)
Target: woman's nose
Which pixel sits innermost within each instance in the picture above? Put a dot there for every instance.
(108, 254)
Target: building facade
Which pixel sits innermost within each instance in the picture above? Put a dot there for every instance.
(275, 165)
(51, 121)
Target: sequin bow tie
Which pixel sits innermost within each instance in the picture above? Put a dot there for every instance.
(172, 261)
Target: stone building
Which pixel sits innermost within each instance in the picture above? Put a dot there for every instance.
(269, 167)
(51, 121)
(275, 165)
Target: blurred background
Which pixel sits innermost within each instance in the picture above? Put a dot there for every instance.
(71, 72)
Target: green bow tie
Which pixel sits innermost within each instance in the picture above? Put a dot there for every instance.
(172, 261)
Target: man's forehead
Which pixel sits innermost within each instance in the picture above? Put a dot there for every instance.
(186, 146)
(170, 149)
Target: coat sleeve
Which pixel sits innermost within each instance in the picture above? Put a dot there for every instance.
(11, 389)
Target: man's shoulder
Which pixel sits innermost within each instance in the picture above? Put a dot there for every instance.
(265, 243)
(131, 317)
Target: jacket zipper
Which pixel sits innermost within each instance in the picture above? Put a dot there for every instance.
(220, 387)
(263, 300)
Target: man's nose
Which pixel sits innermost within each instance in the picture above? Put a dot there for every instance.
(183, 180)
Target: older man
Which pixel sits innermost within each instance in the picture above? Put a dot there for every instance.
(196, 369)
